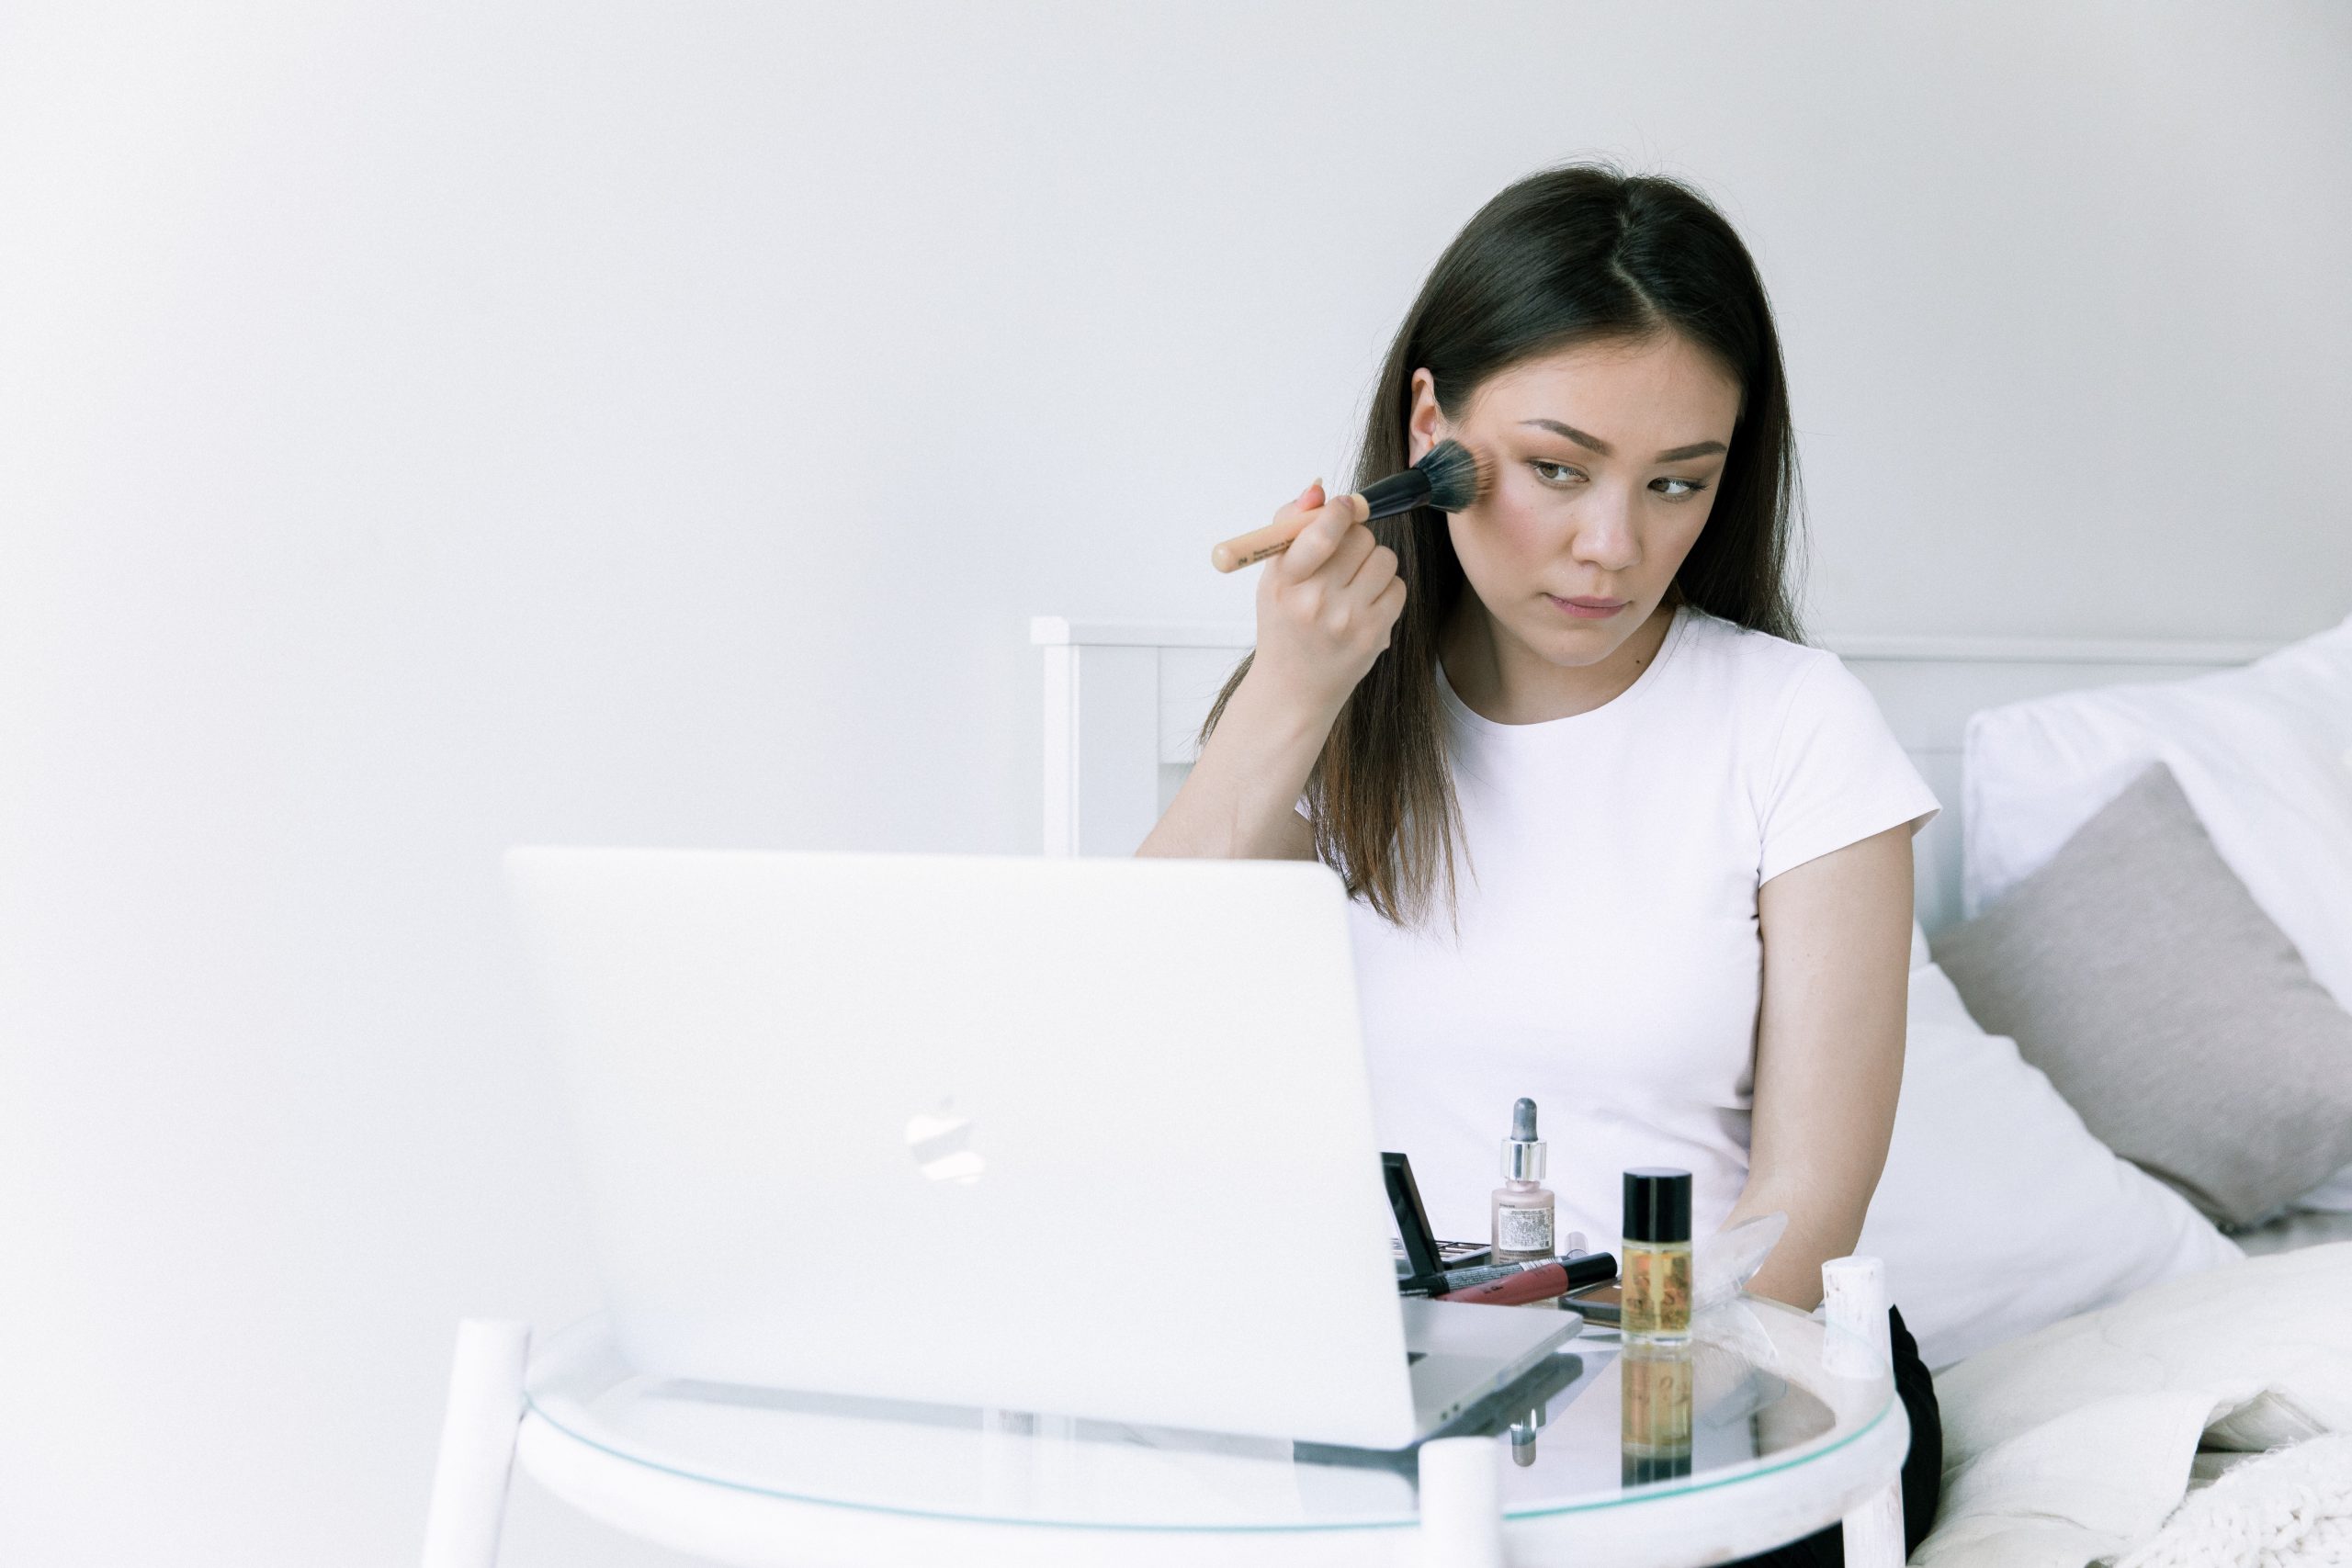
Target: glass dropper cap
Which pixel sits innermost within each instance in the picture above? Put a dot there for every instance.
(1524, 1154)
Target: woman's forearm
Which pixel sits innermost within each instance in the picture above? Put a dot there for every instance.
(1240, 801)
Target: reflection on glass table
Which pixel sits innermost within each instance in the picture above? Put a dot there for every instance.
(1748, 1428)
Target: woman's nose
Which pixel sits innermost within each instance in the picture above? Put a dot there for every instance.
(1604, 536)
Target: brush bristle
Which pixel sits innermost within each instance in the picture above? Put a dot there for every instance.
(1457, 476)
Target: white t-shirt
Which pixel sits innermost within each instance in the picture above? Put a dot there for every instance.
(1609, 963)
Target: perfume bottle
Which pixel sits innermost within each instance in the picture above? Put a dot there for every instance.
(1523, 1206)
(1656, 1255)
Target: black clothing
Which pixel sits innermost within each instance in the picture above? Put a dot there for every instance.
(1923, 1467)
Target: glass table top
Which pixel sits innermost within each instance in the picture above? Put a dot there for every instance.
(1760, 1388)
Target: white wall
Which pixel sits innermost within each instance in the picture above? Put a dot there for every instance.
(426, 429)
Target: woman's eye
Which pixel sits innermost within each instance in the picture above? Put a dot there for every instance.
(1690, 487)
(1552, 473)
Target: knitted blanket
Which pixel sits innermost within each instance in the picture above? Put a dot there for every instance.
(2288, 1509)
(2077, 1444)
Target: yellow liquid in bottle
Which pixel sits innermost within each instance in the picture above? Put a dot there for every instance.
(1657, 1290)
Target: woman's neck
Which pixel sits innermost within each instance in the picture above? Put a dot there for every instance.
(1503, 679)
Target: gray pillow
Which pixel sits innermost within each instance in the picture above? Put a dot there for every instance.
(2136, 970)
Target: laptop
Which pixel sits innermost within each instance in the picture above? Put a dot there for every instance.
(1084, 1138)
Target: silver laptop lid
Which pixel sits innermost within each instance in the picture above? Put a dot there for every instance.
(1086, 1136)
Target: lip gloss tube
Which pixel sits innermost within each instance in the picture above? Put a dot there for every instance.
(1540, 1283)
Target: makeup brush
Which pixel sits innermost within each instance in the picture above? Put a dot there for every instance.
(1451, 478)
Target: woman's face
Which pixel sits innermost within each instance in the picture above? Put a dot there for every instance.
(1606, 458)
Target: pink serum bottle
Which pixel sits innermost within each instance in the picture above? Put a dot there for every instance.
(1523, 1206)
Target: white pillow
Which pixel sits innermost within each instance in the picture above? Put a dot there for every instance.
(2264, 754)
(1999, 1212)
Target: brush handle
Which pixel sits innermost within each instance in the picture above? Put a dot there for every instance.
(1386, 498)
(1258, 544)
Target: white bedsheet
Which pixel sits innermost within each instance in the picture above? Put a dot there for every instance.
(2072, 1445)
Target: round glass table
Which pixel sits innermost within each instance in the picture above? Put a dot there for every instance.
(1765, 1427)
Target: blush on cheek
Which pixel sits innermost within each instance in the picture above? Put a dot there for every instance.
(1523, 537)
(1511, 525)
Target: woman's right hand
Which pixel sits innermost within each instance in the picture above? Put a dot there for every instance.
(1325, 607)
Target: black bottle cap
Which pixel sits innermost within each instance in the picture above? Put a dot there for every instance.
(1657, 1204)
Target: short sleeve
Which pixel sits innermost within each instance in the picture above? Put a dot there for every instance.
(1837, 774)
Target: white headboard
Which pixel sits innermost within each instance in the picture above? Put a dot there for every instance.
(1124, 700)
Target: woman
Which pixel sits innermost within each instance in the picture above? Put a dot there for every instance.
(1617, 839)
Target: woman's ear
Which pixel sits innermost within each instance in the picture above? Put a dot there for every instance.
(1425, 426)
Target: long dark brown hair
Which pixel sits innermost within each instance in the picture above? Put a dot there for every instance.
(1566, 256)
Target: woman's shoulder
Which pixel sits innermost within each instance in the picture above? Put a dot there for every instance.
(1747, 660)
(1823, 766)
(1761, 688)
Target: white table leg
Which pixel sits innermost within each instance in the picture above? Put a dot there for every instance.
(1462, 1503)
(478, 1431)
(1854, 1292)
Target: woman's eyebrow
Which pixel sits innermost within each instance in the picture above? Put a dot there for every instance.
(1594, 442)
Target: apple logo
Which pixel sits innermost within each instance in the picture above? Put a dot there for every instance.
(940, 1141)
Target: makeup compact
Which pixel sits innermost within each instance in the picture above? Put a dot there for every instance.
(1419, 1255)
(1604, 1302)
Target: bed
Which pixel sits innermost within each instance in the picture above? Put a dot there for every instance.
(2072, 1443)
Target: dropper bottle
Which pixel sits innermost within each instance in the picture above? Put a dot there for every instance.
(1523, 1206)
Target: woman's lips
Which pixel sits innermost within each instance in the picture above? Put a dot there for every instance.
(1590, 609)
